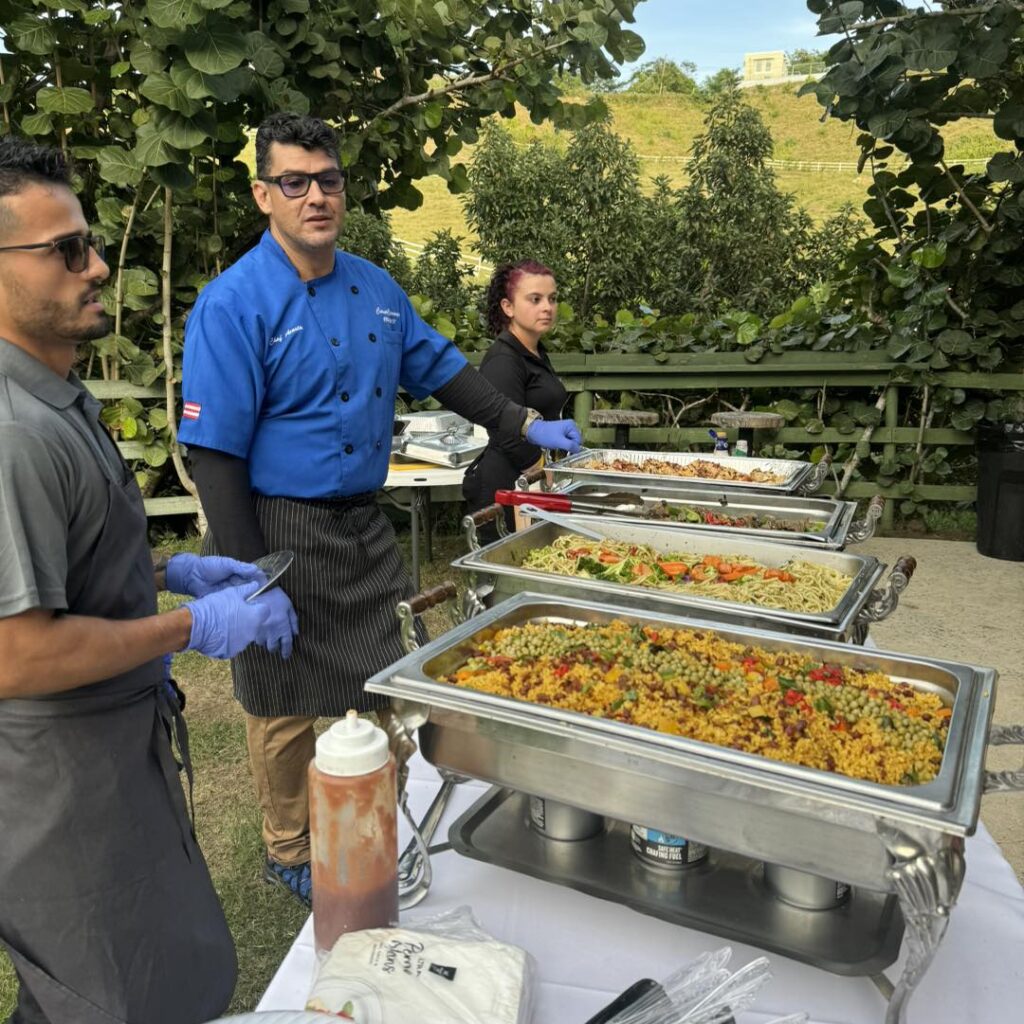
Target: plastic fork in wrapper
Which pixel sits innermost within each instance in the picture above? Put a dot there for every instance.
(702, 992)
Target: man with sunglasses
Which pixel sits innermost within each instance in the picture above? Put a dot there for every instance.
(293, 359)
(105, 900)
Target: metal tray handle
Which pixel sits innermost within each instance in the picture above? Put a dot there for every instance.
(417, 605)
(531, 476)
(883, 600)
(862, 529)
(471, 523)
(1005, 782)
(817, 476)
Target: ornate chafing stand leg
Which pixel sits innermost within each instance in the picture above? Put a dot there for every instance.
(927, 871)
(818, 475)
(862, 529)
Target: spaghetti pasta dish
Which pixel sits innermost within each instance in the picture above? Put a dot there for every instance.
(796, 586)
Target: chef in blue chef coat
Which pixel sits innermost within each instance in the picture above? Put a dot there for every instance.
(293, 359)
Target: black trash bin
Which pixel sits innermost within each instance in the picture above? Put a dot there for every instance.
(1001, 490)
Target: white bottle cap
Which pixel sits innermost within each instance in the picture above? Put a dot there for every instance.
(352, 746)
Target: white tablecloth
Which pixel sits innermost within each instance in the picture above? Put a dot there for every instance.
(589, 950)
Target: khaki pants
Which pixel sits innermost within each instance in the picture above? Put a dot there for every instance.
(280, 750)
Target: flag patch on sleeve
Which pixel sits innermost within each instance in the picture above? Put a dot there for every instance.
(191, 411)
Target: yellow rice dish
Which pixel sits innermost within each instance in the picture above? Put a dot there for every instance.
(797, 586)
(782, 705)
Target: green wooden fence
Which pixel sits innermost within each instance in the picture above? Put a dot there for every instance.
(584, 375)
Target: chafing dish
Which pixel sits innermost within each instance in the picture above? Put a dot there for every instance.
(456, 446)
(904, 842)
(832, 521)
(497, 572)
(795, 476)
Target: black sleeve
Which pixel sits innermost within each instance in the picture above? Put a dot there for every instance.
(470, 395)
(224, 490)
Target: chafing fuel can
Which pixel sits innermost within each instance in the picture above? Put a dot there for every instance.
(560, 821)
(663, 850)
(804, 890)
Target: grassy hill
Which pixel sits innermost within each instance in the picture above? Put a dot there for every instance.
(663, 128)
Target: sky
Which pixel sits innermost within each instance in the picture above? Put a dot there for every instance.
(715, 34)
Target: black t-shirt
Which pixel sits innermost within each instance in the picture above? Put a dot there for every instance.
(528, 380)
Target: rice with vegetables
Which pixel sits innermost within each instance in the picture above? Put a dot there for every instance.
(780, 704)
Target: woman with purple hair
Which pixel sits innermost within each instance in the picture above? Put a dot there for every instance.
(522, 304)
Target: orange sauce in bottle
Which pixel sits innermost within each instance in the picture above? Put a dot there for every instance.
(353, 831)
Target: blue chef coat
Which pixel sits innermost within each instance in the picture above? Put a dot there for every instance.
(299, 377)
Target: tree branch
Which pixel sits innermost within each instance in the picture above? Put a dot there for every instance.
(958, 12)
(466, 82)
(985, 226)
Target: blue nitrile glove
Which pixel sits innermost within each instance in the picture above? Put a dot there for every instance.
(561, 434)
(224, 623)
(283, 623)
(198, 576)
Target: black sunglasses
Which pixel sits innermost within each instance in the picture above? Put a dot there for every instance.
(75, 249)
(295, 186)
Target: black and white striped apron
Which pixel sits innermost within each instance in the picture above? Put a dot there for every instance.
(345, 583)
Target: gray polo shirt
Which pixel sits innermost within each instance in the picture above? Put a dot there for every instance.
(57, 465)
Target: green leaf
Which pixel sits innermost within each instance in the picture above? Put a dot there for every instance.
(146, 59)
(931, 255)
(432, 114)
(173, 176)
(932, 45)
(264, 55)
(887, 123)
(955, 343)
(748, 331)
(37, 124)
(1006, 167)
(32, 34)
(118, 166)
(901, 277)
(68, 100)
(1009, 120)
(985, 59)
(160, 88)
(218, 49)
(129, 427)
(158, 418)
(175, 13)
(630, 46)
(155, 455)
(185, 132)
(814, 426)
(152, 148)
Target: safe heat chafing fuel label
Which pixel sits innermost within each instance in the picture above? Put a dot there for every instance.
(658, 847)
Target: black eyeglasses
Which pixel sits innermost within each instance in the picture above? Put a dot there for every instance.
(75, 249)
(295, 186)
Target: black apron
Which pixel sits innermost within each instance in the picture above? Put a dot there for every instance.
(345, 585)
(106, 906)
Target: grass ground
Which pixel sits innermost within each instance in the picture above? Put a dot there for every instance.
(263, 920)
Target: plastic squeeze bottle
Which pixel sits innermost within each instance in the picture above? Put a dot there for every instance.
(353, 831)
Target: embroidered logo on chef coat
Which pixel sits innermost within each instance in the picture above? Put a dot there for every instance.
(278, 338)
(389, 316)
(191, 410)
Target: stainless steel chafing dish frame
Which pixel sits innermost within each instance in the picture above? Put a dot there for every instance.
(496, 573)
(840, 526)
(903, 840)
(805, 477)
